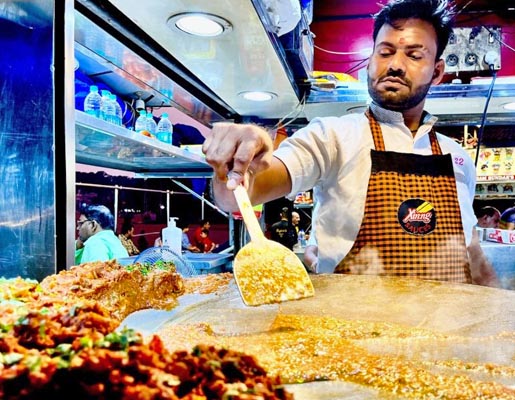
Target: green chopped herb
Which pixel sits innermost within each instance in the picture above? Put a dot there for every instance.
(10, 358)
(33, 362)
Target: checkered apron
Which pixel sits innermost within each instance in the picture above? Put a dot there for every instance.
(412, 223)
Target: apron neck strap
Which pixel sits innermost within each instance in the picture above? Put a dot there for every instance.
(377, 135)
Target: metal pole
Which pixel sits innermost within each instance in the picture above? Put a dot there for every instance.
(168, 194)
(115, 211)
(202, 208)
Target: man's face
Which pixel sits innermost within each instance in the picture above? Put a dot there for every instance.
(295, 218)
(402, 66)
(85, 228)
(487, 221)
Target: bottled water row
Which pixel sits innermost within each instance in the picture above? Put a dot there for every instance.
(103, 106)
(163, 130)
(106, 107)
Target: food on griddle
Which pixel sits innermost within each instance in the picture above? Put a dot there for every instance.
(208, 283)
(120, 365)
(121, 290)
(268, 272)
(305, 348)
(19, 289)
(62, 345)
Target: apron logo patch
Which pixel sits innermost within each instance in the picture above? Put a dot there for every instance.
(417, 216)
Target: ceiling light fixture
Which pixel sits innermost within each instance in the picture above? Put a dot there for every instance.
(257, 96)
(509, 106)
(199, 24)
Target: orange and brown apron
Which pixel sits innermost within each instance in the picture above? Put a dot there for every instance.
(412, 223)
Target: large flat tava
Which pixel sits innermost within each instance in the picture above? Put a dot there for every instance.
(266, 271)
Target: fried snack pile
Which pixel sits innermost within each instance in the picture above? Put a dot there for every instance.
(62, 344)
(120, 290)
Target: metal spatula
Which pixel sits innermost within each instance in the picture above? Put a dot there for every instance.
(266, 271)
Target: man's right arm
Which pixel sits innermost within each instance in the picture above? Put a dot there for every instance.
(243, 154)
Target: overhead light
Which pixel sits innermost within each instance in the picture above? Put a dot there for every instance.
(258, 96)
(509, 106)
(199, 24)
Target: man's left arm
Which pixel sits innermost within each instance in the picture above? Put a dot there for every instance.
(481, 269)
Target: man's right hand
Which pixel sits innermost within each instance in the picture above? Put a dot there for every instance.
(236, 153)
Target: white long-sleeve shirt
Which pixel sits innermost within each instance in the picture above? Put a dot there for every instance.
(333, 154)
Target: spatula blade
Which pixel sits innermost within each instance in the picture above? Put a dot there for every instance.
(267, 272)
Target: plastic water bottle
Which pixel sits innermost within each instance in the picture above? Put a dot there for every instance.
(118, 110)
(93, 102)
(164, 129)
(108, 110)
(151, 124)
(141, 122)
(302, 238)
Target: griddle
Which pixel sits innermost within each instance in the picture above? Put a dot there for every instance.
(482, 317)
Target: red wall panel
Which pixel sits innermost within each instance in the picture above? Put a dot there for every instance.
(343, 26)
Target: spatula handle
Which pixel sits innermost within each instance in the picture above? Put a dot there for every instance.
(247, 212)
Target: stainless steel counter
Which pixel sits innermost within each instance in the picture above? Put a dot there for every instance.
(210, 263)
(502, 257)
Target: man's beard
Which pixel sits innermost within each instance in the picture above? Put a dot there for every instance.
(391, 101)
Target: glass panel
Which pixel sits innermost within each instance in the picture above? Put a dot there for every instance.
(27, 229)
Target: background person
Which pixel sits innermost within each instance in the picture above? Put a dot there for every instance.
(488, 217)
(185, 242)
(415, 217)
(96, 239)
(126, 235)
(507, 220)
(283, 232)
(201, 238)
(295, 221)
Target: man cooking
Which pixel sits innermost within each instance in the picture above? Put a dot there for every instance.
(414, 218)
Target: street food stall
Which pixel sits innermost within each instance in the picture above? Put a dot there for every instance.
(365, 337)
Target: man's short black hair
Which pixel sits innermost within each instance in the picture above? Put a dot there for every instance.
(284, 212)
(101, 214)
(182, 223)
(439, 13)
(489, 211)
(126, 226)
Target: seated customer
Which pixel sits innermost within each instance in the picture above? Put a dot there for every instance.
(201, 237)
(125, 237)
(97, 241)
(508, 219)
(185, 243)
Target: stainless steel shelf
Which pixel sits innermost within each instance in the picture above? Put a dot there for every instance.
(492, 196)
(103, 144)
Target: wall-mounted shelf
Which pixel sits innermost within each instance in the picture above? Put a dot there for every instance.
(490, 196)
(103, 144)
(495, 187)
